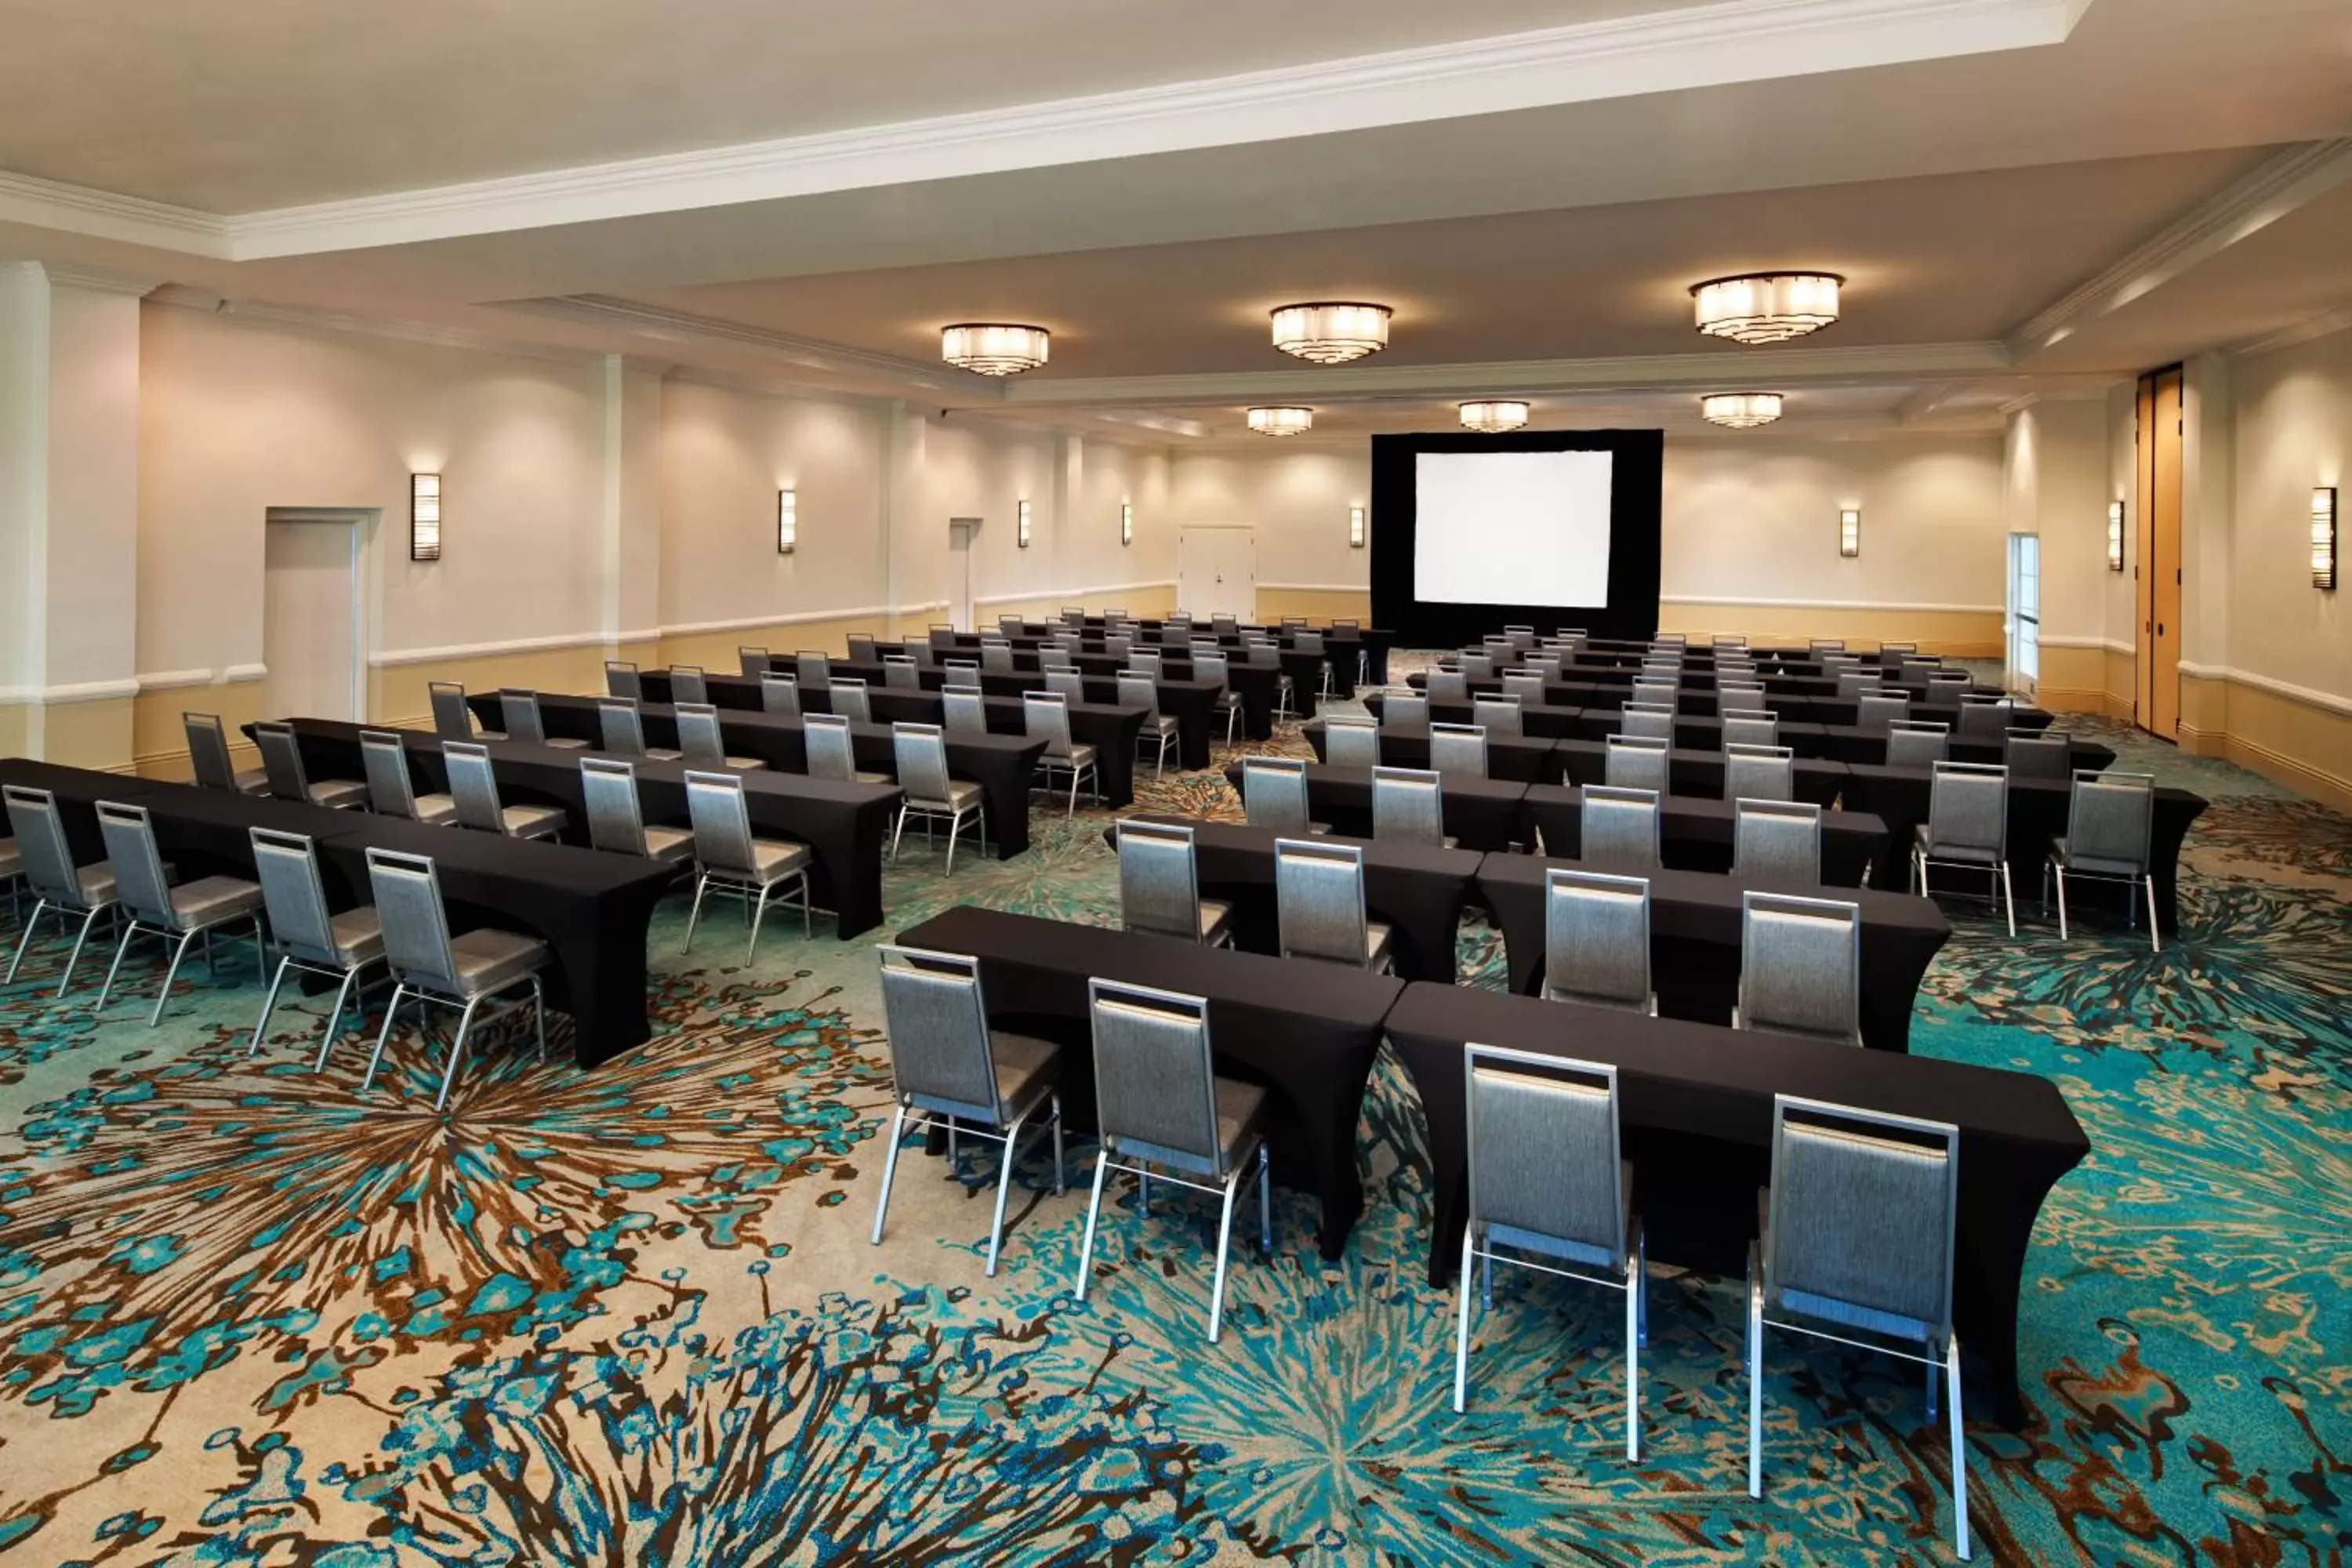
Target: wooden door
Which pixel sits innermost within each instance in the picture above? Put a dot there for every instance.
(2158, 483)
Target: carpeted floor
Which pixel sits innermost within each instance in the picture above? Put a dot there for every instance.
(251, 1315)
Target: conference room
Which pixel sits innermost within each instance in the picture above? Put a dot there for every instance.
(1563, 785)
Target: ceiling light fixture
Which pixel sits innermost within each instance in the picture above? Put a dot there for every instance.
(1740, 410)
(994, 348)
(1331, 333)
(1281, 421)
(1767, 307)
(1493, 417)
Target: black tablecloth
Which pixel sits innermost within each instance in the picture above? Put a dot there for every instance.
(1513, 759)
(1852, 743)
(1478, 813)
(1308, 1032)
(1111, 730)
(1696, 832)
(1418, 892)
(1540, 720)
(1698, 772)
(1694, 928)
(1695, 1103)
(1256, 683)
(1191, 702)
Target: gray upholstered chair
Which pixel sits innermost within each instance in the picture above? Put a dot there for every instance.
(1619, 828)
(474, 785)
(281, 758)
(1984, 720)
(308, 938)
(1522, 689)
(1074, 616)
(847, 696)
(391, 791)
(900, 673)
(1820, 646)
(1917, 742)
(1405, 710)
(2110, 825)
(1273, 795)
(616, 822)
(1118, 644)
(1966, 825)
(832, 751)
(1157, 734)
(1853, 685)
(1409, 807)
(1876, 710)
(1448, 686)
(1459, 750)
(1159, 886)
(1637, 762)
(1225, 625)
(1045, 716)
(1307, 642)
(57, 883)
(731, 862)
(1596, 939)
(752, 662)
(687, 684)
(1735, 643)
(1898, 649)
(1860, 1227)
(623, 728)
(780, 693)
(1211, 664)
(863, 649)
(1545, 666)
(1779, 839)
(812, 667)
(620, 680)
(931, 794)
(1658, 691)
(1919, 670)
(1145, 661)
(1799, 967)
(1163, 1110)
(1742, 694)
(1548, 1190)
(1011, 626)
(519, 710)
(1498, 715)
(2038, 754)
(452, 719)
(703, 745)
(1838, 664)
(144, 894)
(1319, 895)
(1350, 741)
(1646, 722)
(465, 973)
(917, 648)
(1475, 666)
(208, 758)
(1749, 727)
(995, 656)
(963, 710)
(1071, 685)
(1948, 685)
(1758, 773)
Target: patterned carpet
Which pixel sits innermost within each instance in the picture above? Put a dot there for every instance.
(252, 1315)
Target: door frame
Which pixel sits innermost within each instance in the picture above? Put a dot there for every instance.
(2015, 624)
(1250, 529)
(367, 586)
(2160, 491)
(963, 541)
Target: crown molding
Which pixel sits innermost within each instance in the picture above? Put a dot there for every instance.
(2265, 194)
(103, 215)
(611, 314)
(2326, 324)
(312, 319)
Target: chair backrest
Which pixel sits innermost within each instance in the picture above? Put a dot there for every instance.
(1852, 684)
(862, 648)
(921, 753)
(1137, 690)
(941, 1059)
(753, 661)
(1351, 742)
(1498, 715)
(1597, 938)
(1458, 748)
(1045, 716)
(698, 735)
(1409, 807)
(1876, 710)
(1781, 839)
(813, 668)
(1212, 665)
(384, 761)
(518, 711)
(1448, 686)
(1968, 807)
(996, 655)
(1637, 762)
(780, 693)
(140, 884)
(687, 684)
(1404, 708)
(1074, 615)
(1273, 795)
(621, 726)
(46, 855)
(1837, 664)
(1544, 664)
(721, 823)
(963, 710)
(1862, 1217)
(621, 680)
(1011, 626)
(287, 866)
(1646, 721)
(1522, 685)
(1658, 691)
(1917, 742)
(1758, 773)
(208, 750)
(902, 673)
(452, 719)
(474, 785)
(1293, 623)
(1518, 637)
(1069, 684)
(917, 648)
(1475, 666)
(1800, 966)
(2110, 822)
(1155, 1081)
(1144, 661)
(281, 760)
(1618, 828)
(1056, 657)
(1158, 881)
(1225, 625)
(1118, 644)
(1735, 640)
(1319, 895)
(1919, 669)
(1540, 1132)
(1750, 727)
(2038, 753)
(1984, 718)
(1821, 645)
(832, 751)
(1747, 694)
(1895, 648)
(407, 892)
(849, 699)
(609, 788)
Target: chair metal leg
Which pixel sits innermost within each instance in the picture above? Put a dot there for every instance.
(1634, 1366)
(2008, 898)
(25, 940)
(334, 1018)
(1264, 1200)
(269, 1002)
(899, 832)
(392, 1011)
(889, 1171)
(1060, 1186)
(1224, 1245)
(1462, 1327)
(1003, 1187)
(1959, 1448)
(955, 828)
(2060, 871)
(106, 987)
(2155, 937)
(759, 913)
(1094, 1213)
(1935, 1374)
(74, 957)
(1755, 1390)
(456, 1052)
(538, 1014)
(702, 885)
(1143, 1192)
(170, 973)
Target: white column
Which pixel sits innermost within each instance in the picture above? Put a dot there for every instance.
(632, 521)
(912, 540)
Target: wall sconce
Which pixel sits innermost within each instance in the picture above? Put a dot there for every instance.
(2323, 537)
(1355, 528)
(2115, 536)
(1126, 522)
(424, 517)
(1021, 526)
(1850, 531)
(788, 520)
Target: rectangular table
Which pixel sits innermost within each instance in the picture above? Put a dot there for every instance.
(1696, 771)
(1478, 813)
(1694, 939)
(1192, 702)
(1513, 759)
(1695, 1104)
(1308, 1032)
(1694, 833)
(1854, 744)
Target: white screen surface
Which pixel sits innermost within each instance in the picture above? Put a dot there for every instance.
(1512, 528)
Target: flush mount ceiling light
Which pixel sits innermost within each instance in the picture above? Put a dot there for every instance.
(1767, 307)
(1740, 410)
(1331, 333)
(1281, 421)
(993, 348)
(1493, 417)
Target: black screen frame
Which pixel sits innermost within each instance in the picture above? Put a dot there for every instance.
(1636, 486)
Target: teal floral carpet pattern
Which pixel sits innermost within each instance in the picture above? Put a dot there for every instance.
(252, 1315)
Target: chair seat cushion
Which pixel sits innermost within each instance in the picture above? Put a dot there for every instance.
(1964, 854)
(662, 754)
(743, 765)
(339, 792)
(2094, 864)
(774, 860)
(359, 935)
(489, 960)
(1586, 1254)
(872, 778)
(565, 743)
(1215, 916)
(251, 781)
(1026, 1069)
(962, 795)
(435, 809)
(96, 883)
(1241, 1107)
(669, 843)
(1163, 725)
(208, 901)
(1377, 940)
(1079, 757)
(481, 734)
(531, 821)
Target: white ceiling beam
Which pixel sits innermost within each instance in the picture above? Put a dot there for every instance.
(672, 327)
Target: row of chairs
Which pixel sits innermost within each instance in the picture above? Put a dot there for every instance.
(2109, 838)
